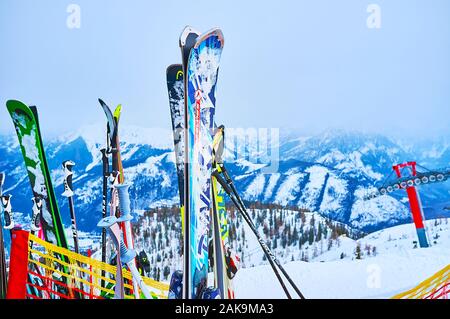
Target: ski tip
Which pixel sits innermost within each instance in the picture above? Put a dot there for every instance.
(117, 112)
(185, 33)
(102, 103)
(174, 72)
(174, 67)
(34, 110)
(13, 104)
(211, 32)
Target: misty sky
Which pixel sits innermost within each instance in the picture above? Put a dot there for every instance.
(310, 65)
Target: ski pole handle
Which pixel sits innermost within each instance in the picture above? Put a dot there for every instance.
(105, 162)
(68, 174)
(127, 255)
(114, 178)
(7, 211)
(110, 224)
(124, 201)
(36, 217)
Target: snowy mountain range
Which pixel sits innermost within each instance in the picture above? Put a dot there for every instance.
(328, 173)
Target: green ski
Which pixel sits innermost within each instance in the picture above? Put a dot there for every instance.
(26, 123)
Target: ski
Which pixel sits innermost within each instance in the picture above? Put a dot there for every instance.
(125, 226)
(113, 148)
(201, 70)
(105, 174)
(187, 41)
(116, 155)
(26, 123)
(3, 273)
(219, 224)
(175, 89)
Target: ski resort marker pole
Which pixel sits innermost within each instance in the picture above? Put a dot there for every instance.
(68, 192)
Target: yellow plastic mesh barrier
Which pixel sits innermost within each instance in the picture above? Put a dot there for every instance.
(55, 272)
(435, 287)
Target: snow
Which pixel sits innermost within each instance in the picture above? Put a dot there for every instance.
(354, 162)
(317, 175)
(291, 185)
(273, 179)
(382, 209)
(334, 193)
(256, 187)
(151, 167)
(250, 167)
(396, 267)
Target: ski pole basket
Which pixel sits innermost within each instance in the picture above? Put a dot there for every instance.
(435, 287)
(40, 270)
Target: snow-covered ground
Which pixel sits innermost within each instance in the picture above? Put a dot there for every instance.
(395, 267)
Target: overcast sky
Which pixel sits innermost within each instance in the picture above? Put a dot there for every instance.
(310, 65)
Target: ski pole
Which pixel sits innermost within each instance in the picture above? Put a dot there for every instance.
(125, 218)
(277, 262)
(270, 256)
(218, 148)
(114, 232)
(127, 256)
(260, 240)
(105, 171)
(68, 192)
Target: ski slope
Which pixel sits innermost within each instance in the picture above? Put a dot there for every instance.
(396, 267)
